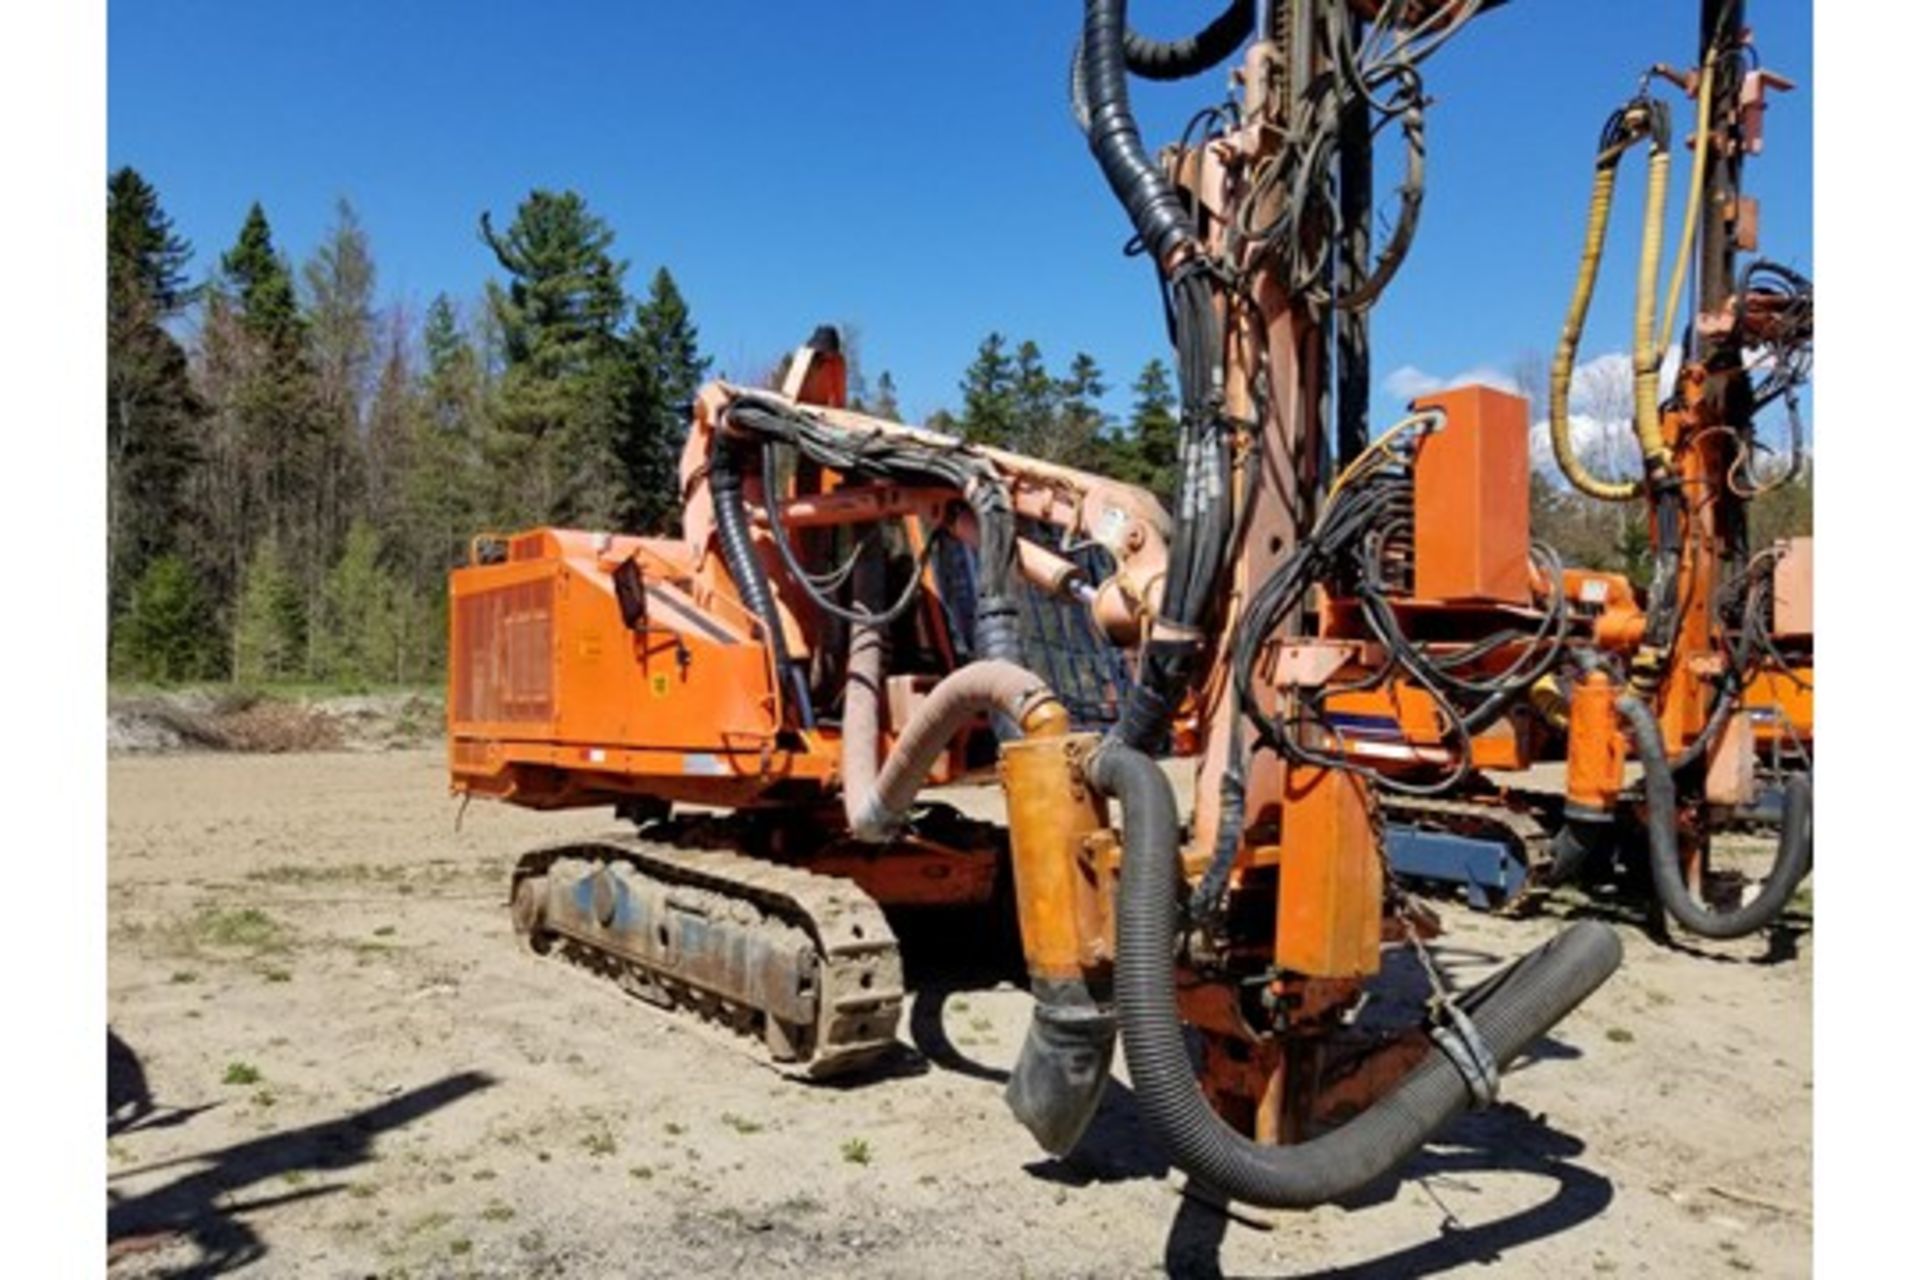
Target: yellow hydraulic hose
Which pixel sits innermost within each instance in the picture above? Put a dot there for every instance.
(1647, 353)
(1696, 189)
(1641, 119)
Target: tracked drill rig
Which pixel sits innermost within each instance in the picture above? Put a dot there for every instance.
(858, 608)
(1708, 680)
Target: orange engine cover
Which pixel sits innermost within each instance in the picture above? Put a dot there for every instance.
(1470, 500)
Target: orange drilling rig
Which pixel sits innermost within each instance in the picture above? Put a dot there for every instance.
(857, 608)
(1708, 681)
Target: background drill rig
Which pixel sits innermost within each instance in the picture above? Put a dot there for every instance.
(1708, 679)
(857, 608)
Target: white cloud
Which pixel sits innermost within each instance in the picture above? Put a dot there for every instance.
(1600, 415)
(1410, 382)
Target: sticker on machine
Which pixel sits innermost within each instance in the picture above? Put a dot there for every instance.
(703, 764)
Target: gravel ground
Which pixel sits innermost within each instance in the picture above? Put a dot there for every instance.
(332, 1061)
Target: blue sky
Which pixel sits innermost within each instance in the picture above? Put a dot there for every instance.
(909, 167)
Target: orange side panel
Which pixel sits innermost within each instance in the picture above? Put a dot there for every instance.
(1330, 879)
(1470, 500)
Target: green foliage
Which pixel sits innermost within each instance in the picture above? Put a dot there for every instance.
(1782, 512)
(664, 347)
(567, 384)
(1078, 422)
(886, 398)
(152, 410)
(988, 411)
(270, 622)
(1147, 452)
(255, 273)
(362, 617)
(163, 635)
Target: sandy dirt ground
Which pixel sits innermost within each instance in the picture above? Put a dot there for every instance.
(333, 1061)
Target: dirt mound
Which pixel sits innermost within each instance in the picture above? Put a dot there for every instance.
(246, 721)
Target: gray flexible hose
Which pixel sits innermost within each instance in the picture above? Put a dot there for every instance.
(1792, 858)
(1511, 1011)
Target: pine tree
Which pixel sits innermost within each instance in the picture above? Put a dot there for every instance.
(360, 634)
(153, 414)
(269, 431)
(664, 346)
(163, 635)
(886, 400)
(1079, 422)
(1035, 402)
(567, 383)
(987, 409)
(1152, 448)
(270, 623)
(257, 276)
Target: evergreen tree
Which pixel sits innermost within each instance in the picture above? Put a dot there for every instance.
(567, 382)
(163, 635)
(1151, 454)
(1078, 421)
(270, 623)
(1035, 402)
(987, 409)
(886, 400)
(256, 275)
(271, 426)
(360, 636)
(664, 347)
(152, 411)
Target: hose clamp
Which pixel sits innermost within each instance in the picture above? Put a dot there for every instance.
(1460, 1040)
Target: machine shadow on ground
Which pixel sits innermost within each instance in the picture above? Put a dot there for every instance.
(203, 1208)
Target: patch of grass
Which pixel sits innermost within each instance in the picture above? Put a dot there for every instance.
(602, 1143)
(739, 1123)
(384, 931)
(640, 1172)
(958, 1005)
(363, 1191)
(497, 1212)
(1659, 999)
(1619, 1035)
(181, 977)
(241, 929)
(428, 1222)
(674, 1128)
(533, 1241)
(856, 1151)
(980, 1024)
(241, 1073)
(460, 1246)
(277, 975)
(264, 1098)
(294, 1178)
(796, 1205)
(484, 1175)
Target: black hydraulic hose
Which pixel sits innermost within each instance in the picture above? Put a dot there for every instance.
(749, 575)
(1510, 1011)
(1792, 858)
(1151, 202)
(1208, 47)
(1152, 59)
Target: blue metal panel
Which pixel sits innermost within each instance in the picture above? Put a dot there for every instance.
(1486, 869)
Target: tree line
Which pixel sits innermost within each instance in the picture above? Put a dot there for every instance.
(293, 467)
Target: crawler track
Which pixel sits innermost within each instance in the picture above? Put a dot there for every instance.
(804, 964)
